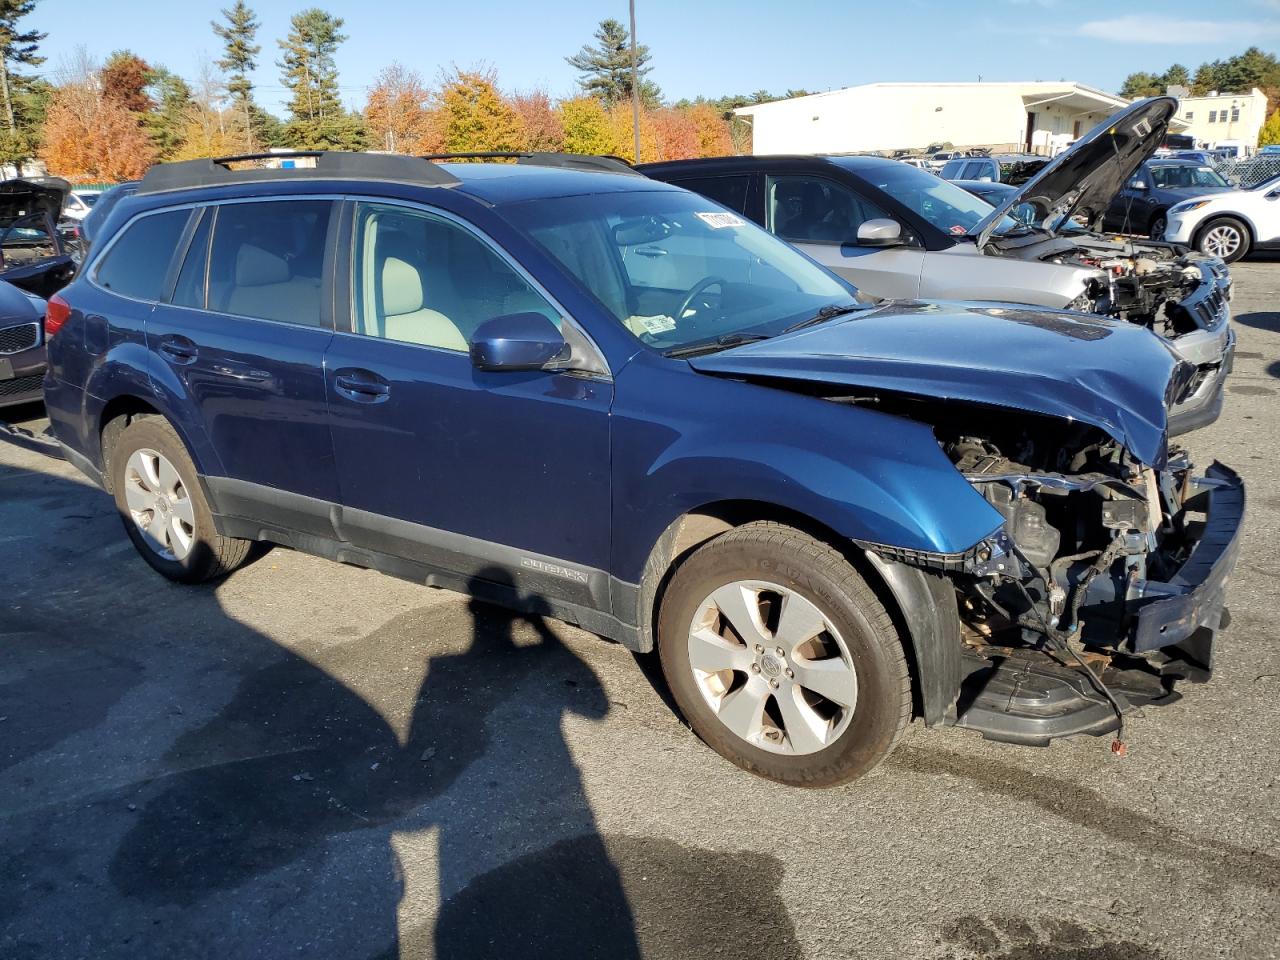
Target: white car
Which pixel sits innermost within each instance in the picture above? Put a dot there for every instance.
(79, 203)
(1229, 224)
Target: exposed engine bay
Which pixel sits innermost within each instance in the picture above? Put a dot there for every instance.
(1145, 282)
(1061, 609)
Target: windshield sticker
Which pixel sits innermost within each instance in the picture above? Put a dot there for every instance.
(657, 324)
(717, 221)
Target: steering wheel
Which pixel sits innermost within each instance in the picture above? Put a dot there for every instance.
(702, 285)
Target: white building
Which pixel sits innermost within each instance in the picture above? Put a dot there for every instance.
(1235, 117)
(1039, 117)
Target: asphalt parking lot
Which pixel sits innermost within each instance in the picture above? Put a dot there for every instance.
(314, 760)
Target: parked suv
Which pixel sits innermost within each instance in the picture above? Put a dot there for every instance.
(596, 396)
(898, 232)
(1142, 206)
(1014, 169)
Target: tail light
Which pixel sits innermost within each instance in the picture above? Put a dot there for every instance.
(56, 314)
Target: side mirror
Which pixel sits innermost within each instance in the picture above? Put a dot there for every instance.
(517, 341)
(880, 232)
(1137, 184)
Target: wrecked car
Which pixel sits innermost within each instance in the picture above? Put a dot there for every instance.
(35, 261)
(895, 231)
(561, 386)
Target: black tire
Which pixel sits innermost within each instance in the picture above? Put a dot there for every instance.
(1158, 225)
(1211, 228)
(210, 555)
(782, 555)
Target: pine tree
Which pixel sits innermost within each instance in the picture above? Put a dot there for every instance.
(18, 48)
(310, 73)
(240, 57)
(606, 66)
(167, 124)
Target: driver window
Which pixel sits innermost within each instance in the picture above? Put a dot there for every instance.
(814, 209)
(425, 280)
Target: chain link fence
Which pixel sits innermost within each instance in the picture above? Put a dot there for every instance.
(1251, 171)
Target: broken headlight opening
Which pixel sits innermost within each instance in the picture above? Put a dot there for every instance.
(1102, 587)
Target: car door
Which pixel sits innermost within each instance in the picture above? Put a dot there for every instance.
(500, 477)
(1130, 209)
(240, 345)
(821, 217)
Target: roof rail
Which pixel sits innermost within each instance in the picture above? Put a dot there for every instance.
(329, 165)
(572, 161)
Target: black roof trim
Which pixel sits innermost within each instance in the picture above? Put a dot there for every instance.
(571, 161)
(330, 165)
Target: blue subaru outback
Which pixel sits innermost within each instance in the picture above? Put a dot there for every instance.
(578, 391)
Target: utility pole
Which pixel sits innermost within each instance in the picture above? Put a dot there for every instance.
(635, 85)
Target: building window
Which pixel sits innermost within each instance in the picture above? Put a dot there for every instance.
(1213, 116)
(1191, 114)
(1235, 114)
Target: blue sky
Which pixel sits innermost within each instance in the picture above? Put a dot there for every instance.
(709, 47)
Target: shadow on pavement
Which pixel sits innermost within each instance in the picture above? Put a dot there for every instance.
(181, 784)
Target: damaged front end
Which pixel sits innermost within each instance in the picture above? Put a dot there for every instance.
(1104, 585)
(1183, 297)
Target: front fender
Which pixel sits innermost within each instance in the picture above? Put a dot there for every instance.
(683, 441)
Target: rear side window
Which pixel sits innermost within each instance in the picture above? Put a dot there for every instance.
(267, 260)
(189, 290)
(137, 264)
(728, 191)
(951, 169)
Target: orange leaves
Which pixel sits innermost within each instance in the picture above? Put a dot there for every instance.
(88, 137)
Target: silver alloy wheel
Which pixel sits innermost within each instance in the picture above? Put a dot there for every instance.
(772, 667)
(1222, 241)
(159, 504)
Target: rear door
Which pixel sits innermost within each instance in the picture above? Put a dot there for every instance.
(500, 477)
(821, 217)
(240, 346)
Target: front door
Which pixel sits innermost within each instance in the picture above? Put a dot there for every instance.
(243, 337)
(500, 477)
(822, 217)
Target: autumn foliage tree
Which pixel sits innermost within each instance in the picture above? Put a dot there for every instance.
(586, 126)
(124, 78)
(543, 128)
(89, 137)
(475, 117)
(400, 116)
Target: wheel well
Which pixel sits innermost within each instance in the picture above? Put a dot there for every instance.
(691, 530)
(116, 415)
(1242, 220)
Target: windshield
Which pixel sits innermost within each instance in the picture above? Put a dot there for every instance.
(1180, 176)
(951, 209)
(676, 269)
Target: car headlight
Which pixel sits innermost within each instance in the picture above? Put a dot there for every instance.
(1186, 206)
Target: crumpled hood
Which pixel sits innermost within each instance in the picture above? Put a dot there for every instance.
(1110, 374)
(1094, 169)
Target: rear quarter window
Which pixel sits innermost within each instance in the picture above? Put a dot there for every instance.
(730, 191)
(137, 264)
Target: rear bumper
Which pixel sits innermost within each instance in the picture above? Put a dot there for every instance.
(1168, 614)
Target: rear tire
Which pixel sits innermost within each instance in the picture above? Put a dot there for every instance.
(163, 508)
(782, 659)
(1224, 237)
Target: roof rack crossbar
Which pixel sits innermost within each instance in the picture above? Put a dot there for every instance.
(572, 161)
(329, 165)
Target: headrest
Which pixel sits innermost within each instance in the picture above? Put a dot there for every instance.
(401, 287)
(256, 267)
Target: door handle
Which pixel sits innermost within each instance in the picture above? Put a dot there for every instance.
(178, 349)
(361, 386)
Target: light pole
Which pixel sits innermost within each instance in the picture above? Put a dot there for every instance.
(635, 85)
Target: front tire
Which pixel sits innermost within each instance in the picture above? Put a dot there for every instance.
(1224, 237)
(782, 659)
(162, 505)
(1158, 227)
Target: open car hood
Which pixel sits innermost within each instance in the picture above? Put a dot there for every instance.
(1113, 375)
(22, 197)
(1092, 172)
